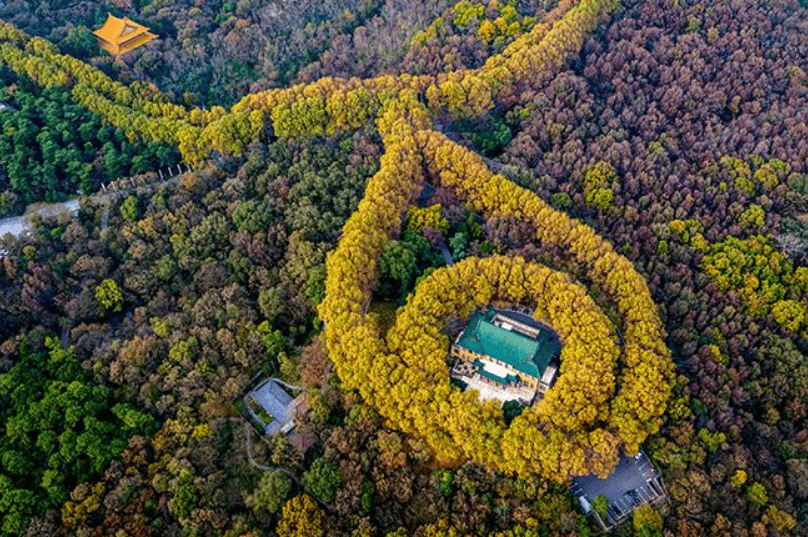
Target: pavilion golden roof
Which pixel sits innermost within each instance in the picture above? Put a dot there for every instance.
(119, 36)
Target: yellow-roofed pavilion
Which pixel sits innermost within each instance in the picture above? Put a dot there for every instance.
(119, 36)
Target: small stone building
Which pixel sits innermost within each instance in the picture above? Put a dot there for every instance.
(270, 405)
(119, 36)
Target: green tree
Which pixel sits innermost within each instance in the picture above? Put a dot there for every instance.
(58, 429)
(458, 244)
(647, 521)
(512, 409)
(80, 42)
(186, 496)
(446, 483)
(397, 267)
(756, 495)
(109, 295)
(322, 480)
(315, 284)
(600, 198)
(601, 506)
(598, 182)
(271, 492)
(128, 209)
(366, 500)
(134, 421)
(16, 507)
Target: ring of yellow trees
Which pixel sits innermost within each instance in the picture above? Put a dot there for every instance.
(571, 409)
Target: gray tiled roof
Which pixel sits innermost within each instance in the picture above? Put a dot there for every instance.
(273, 399)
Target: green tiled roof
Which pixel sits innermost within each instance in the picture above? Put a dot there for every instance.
(526, 355)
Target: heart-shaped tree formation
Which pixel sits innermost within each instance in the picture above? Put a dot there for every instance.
(584, 420)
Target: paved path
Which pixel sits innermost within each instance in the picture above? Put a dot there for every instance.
(248, 432)
(444, 251)
(19, 225)
(286, 384)
(15, 225)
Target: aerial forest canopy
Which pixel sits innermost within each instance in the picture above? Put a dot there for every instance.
(53, 148)
(634, 174)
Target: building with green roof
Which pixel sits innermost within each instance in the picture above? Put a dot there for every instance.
(507, 351)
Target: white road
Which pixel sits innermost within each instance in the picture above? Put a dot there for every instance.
(18, 225)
